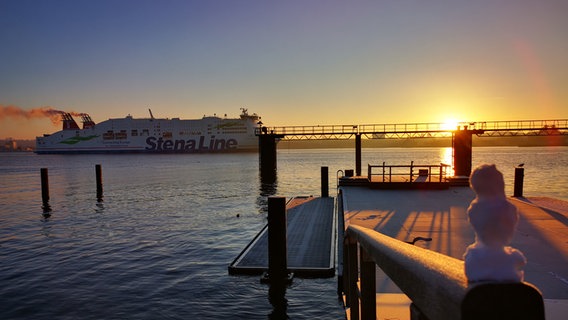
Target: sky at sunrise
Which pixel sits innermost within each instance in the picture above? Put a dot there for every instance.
(294, 62)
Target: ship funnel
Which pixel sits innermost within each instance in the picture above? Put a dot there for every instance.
(87, 121)
(68, 122)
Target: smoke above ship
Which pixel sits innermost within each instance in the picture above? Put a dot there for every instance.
(15, 112)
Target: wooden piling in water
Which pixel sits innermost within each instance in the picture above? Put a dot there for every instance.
(45, 192)
(519, 177)
(277, 240)
(44, 185)
(324, 182)
(99, 178)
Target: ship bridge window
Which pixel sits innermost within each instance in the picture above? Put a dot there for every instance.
(145, 132)
(134, 132)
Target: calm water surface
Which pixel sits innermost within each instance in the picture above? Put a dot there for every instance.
(159, 244)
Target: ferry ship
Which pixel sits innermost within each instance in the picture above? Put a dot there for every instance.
(152, 135)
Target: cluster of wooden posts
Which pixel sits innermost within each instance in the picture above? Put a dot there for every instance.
(45, 188)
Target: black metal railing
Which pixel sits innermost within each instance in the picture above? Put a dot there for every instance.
(407, 173)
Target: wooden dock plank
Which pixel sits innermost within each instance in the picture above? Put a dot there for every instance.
(310, 241)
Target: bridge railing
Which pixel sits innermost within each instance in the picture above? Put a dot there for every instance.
(524, 127)
(519, 124)
(342, 129)
(404, 127)
(421, 130)
(435, 283)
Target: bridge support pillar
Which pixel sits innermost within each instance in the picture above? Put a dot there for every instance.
(267, 153)
(358, 154)
(462, 147)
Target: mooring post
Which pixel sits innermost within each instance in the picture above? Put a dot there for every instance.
(45, 192)
(99, 178)
(358, 154)
(44, 186)
(324, 182)
(519, 177)
(277, 249)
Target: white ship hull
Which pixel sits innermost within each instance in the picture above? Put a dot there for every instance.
(151, 135)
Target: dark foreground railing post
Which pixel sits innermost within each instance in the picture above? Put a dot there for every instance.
(494, 301)
(368, 287)
(352, 276)
(277, 250)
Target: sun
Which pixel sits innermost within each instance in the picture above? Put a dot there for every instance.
(450, 124)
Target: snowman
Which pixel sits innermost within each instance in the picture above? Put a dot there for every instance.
(494, 220)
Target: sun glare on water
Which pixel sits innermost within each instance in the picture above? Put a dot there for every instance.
(447, 157)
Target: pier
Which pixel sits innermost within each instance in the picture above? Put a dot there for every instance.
(393, 218)
(400, 242)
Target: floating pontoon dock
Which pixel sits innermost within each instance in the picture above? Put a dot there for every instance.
(311, 240)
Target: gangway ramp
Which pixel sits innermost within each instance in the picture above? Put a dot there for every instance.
(311, 237)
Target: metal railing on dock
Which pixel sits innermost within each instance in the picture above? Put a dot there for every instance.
(407, 173)
(435, 283)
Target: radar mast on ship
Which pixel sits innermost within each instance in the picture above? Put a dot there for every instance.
(245, 115)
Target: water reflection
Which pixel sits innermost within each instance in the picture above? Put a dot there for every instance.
(277, 298)
(100, 207)
(447, 157)
(46, 208)
(268, 187)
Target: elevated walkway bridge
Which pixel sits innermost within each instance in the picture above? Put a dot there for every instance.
(419, 130)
